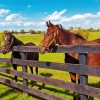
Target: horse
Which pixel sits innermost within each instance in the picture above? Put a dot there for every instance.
(56, 34)
(10, 41)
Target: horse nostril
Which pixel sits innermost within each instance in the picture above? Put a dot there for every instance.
(42, 50)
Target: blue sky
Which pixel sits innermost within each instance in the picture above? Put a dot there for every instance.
(32, 14)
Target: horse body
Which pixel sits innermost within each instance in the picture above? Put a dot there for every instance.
(9, 46)
(68, 38)
(55, 34)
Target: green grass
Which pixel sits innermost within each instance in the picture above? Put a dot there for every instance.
(94, 35)
(7, 93)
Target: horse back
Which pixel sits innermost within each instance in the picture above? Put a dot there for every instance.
(29, 44)
(32, 55)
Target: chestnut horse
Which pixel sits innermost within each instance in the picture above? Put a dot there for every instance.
(55, 34)
(10, 41)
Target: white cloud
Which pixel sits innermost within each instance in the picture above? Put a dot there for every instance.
(85, 20)
(21, 23)
(59, 16)
(56, 15)
(14, 17)
(29, 6)
(4, 11)
(77, 17)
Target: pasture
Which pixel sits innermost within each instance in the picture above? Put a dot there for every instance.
(7, 93)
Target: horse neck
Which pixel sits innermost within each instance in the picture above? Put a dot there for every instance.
(17, 42)
(65, 37)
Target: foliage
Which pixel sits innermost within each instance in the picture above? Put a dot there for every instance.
(82, 32)
(70, 28)
(22, 31)
(31, 31)
(1, 38)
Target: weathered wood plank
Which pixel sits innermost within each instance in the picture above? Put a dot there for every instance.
(87, 70)
(84, 48)
(30, 90)
(7, 60)
(91, 91)
(24, 68)
(83, 78)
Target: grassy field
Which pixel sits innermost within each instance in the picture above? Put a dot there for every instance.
(94, 35)
(7, 93)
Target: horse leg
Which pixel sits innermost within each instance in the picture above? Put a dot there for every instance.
(73, 79)
(36, 69)
(72, 60)
(31, 68)
(78, 79)
(15, 68)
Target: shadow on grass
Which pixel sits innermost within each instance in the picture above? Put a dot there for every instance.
(42, 86)
(97, 85)
(33, 83)
(6, 93)
(10, 77)
(46, 74)
(55, 90)
(13, 98)
(34, 96)
(6, 65)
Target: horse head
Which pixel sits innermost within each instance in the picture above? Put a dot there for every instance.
(8, 42)
(50, 38)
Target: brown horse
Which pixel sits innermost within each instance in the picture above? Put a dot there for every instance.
(55, 34)
(10, 41)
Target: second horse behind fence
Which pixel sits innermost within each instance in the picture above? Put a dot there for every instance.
(10, 41)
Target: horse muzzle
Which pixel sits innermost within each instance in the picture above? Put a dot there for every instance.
(42, 50)
(4, 50)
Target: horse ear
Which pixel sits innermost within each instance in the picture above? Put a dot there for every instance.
(50, 23)
(60, 25)
(47, 24)
(12, 32)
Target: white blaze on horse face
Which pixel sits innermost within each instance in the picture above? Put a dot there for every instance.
(5, 38)
(45, 32)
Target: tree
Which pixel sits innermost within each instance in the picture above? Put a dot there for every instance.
(82, 32)
(70, 28)
(22, 31)
(32, 31)
(1, 38)
(90, 29)
(39, 32)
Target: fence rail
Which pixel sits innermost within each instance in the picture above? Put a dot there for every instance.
(86, 48)
(81, 69)
(55, 82)
(75, 68)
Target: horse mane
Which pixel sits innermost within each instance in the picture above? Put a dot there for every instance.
(71, 32)
(79, 36)
(17, 41)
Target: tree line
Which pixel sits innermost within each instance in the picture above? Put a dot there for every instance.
(31, 31)
(83, 32)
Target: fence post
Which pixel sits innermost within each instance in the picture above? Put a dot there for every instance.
(24, 68)
(83, 78)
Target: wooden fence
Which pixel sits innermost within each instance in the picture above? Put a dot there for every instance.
(82, 69)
